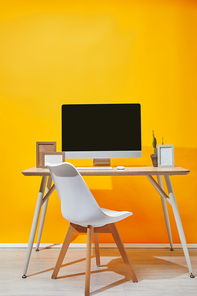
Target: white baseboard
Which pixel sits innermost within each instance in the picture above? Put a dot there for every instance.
(104, 246)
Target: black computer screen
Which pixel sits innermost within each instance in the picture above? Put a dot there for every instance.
(101, 127)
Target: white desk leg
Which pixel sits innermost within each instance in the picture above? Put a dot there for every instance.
(44, 208)
(178, 223)
(165, 211)
(34, 224)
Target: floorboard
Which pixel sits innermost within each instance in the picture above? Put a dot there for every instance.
(159, 272)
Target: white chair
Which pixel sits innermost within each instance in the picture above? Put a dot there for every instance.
(79, 207)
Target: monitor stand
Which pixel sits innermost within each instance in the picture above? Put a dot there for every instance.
(101, 161)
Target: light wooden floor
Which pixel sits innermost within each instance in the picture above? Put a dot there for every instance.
(159, 271)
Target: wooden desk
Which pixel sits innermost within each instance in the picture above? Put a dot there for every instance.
(149, 172)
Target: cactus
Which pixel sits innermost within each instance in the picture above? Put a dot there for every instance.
(154, 143)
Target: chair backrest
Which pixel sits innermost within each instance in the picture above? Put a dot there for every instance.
(78, 205)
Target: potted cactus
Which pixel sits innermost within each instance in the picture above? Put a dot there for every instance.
(154, 156)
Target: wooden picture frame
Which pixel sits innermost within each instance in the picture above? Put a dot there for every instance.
(51, 157)
(43, 147)
(165, 155)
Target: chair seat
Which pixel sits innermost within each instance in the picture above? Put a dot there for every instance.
(108, 217)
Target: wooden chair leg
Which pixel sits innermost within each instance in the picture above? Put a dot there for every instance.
(88, 260)
(63, 251)
(96, 243)
(114, 231)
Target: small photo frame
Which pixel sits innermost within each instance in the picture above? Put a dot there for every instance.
(43, 147)
(52, 157)
(165, 155)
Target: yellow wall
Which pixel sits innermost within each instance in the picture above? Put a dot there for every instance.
(57, 52)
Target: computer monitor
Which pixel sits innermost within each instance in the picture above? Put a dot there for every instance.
(101, 131)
